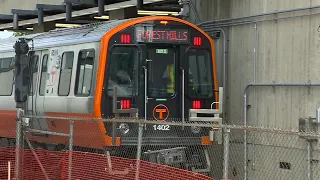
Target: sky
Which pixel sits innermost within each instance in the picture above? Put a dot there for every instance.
(5, 34)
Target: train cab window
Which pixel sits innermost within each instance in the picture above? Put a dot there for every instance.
(44, 69)
(65, 73)
(200, 82)
(84, 72)
(34, 70)
(6, 76)
(5, 63)
(123, 71)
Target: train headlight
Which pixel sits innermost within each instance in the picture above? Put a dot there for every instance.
(124, 128)
(195, 129)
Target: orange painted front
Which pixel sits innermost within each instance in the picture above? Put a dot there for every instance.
(104, 52)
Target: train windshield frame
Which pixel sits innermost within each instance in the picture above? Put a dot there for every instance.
(200, 81)
(123, 70)
(171, 39)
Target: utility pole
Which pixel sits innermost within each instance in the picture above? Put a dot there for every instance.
(21, 92)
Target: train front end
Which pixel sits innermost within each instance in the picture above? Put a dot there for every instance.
(161, 69)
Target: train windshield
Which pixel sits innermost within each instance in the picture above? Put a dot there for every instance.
(200, 83)
(161, 72)
(123, 73)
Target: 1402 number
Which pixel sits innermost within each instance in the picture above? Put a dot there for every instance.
(161, 127)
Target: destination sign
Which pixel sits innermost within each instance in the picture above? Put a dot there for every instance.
(161, 35)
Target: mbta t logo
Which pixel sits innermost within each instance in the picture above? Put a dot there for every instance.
(161, 112)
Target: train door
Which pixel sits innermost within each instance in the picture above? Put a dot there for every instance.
(163, 85)
(34, 68)
(42, 80)
(39, 89)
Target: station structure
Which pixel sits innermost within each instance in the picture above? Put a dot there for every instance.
(37, 17)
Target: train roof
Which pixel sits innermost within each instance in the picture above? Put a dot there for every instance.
(66, 36)
(74, 35)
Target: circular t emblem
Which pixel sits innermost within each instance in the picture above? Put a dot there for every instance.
(161, 112)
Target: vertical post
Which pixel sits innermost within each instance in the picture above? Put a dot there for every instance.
(308, 130)
(139, 4)
(255, 90)
(18, 140)
(245, 138)
(116, 113)
(40, 16)
(182, 97)
(21, 92)
(139, 150)
(70, 149)
(145, 93)
(9, 170)
(101, 7)
(226, 134)
(309, 159)
(141, 125)
(68, 11)
(15, 21)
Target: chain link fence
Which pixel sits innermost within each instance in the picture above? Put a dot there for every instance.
(271, 153)
(47, 151)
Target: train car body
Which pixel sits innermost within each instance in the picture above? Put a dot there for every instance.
(162, 66)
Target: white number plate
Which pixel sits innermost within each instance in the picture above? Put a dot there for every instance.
(161, 127)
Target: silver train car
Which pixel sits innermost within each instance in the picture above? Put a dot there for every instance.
(162, 67)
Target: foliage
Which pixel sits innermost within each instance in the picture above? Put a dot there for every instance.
(15, 34)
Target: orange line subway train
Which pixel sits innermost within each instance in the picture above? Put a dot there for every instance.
(161, 67)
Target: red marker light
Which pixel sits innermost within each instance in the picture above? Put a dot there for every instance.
(125, 38)
(197, 41)
(196, 104)
(125, 104)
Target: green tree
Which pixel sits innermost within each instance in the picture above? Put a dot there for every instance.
(20, 33)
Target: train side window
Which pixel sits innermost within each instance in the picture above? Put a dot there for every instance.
(34, 69)
(44, 69)
(6, 76)
(5, 63)
(65, 73)
(200, 82)
(84, 72)
(123, 71)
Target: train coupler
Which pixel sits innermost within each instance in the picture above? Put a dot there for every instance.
(171, 156)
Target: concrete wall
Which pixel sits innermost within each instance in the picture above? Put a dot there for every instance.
(207, 10)
(7, 5)
(287, 51)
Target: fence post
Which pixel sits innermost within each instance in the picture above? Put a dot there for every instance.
(226, 145)
(309, 148)
(18, 141)
(70, 149)
(309, 160)
(9, 170)
(139, 150)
